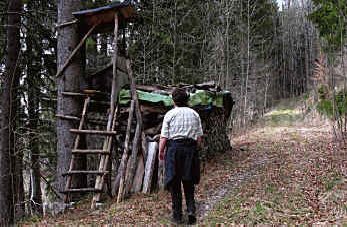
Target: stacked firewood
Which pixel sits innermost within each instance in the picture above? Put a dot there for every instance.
(139, 170)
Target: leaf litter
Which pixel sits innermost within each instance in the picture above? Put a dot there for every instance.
(274, 175)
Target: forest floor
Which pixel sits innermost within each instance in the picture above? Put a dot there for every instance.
(285, 171)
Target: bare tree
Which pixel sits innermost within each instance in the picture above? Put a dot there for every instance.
(8, 179)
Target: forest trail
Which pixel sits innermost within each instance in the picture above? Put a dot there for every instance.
(281, 172)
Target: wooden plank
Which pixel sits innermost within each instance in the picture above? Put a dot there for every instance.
(81, 190)
(94, 121)
(77, 151)
(85, 172)
(66, 24)
(137, 137)
(147, 181)
(67, 93)
(75, 51)
(68, 117)
(138, 179)
(124, 161)
(97, 132)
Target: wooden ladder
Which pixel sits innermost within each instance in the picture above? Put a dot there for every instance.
(104, 153)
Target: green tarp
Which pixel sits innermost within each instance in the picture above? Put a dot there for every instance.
(199, 98)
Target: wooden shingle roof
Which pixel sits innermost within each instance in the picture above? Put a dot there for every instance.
(104, 17)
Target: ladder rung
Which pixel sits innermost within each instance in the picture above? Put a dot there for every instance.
(93, 132)
(89, 120)
(85, 94)
(73, 94)
(85, 172)
(90, 152)
(82, 190)
(68, 117)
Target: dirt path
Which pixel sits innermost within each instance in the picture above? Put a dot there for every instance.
(291, 175)
(273, 175)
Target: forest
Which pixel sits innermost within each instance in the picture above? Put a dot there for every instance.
(261, 51)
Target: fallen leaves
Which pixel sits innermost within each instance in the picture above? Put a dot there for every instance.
(277, 176)
(302, 166)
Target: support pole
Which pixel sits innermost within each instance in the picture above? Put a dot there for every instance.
(114, 94)
(137, 137)
(75, 51)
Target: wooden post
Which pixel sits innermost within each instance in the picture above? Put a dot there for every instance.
(114, 94)
(138, 179)
(124, 161)
(136, 141)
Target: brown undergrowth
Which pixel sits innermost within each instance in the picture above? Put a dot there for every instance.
(274, 175)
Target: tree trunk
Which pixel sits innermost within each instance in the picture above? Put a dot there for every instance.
(68, 39)
(8, 114)
(33, 115)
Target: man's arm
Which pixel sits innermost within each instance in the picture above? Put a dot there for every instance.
(162, 146)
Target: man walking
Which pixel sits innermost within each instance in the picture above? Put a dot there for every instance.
(181, 134)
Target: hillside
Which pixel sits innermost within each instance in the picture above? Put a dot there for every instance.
(286, 170)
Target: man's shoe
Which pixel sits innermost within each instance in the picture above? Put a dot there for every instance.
(191, 219)
(174, 220)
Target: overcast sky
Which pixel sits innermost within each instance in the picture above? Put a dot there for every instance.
(279, 2)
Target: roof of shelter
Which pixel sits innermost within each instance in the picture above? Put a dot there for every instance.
(197, 98)
(104, 17)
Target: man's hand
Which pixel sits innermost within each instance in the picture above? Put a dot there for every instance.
(162, 146)
(161, 157)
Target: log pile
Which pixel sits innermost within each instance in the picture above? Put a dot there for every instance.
(135, 166)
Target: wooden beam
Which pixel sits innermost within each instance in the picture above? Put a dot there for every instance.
(85, 172)
(140, 171)
(79, 151)
(67, 93)
(99, 182)
(75, 51)
(124, 161)
(70, 190)
(68, 117)
(97, 132)
(137, 137)
(66, 24)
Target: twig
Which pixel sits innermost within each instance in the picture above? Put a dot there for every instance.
(49, 185)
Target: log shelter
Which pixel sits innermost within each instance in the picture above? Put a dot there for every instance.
(134, 114)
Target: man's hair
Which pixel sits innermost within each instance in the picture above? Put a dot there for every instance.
(180, 97)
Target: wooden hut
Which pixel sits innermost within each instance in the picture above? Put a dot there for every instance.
(122, 120)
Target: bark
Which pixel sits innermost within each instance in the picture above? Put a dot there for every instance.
(8, 114)
(68, 39)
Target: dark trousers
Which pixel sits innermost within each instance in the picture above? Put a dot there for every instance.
(175, 188)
